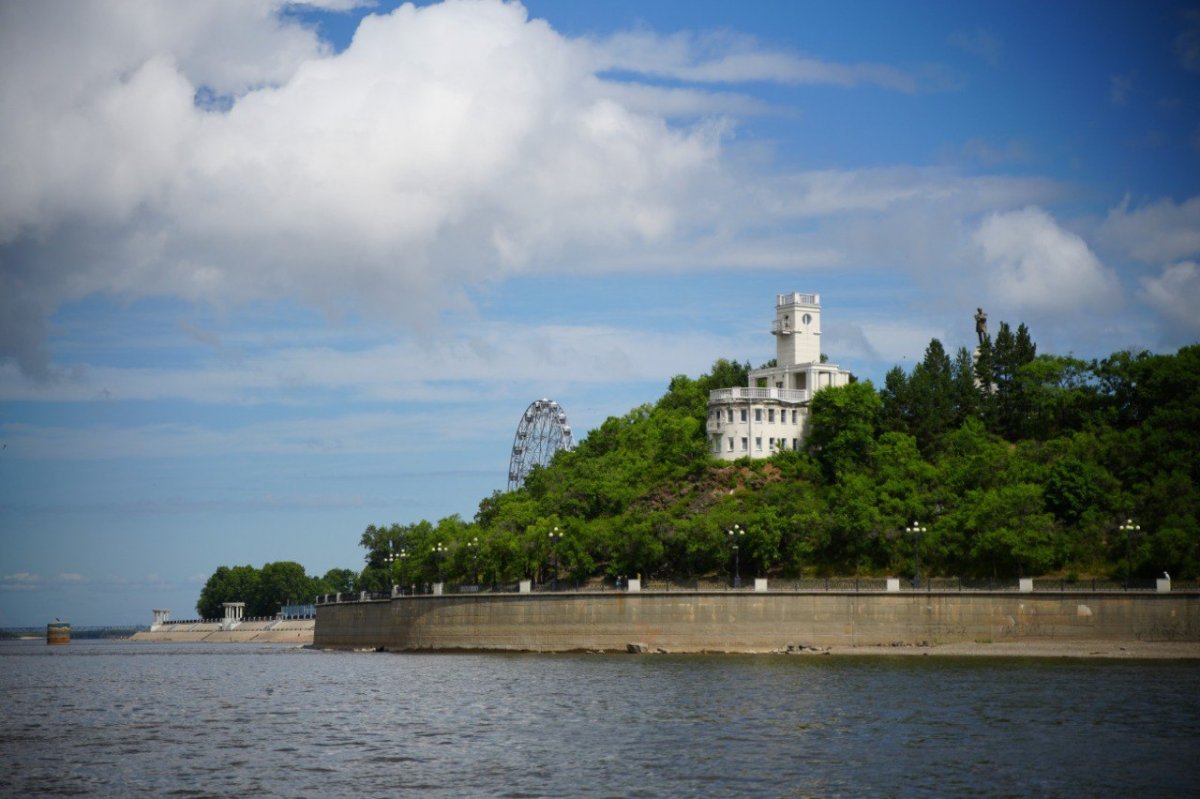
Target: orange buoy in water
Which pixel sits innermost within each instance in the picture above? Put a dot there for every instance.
(58, 632)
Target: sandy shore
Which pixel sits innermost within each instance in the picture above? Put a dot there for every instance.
(1033, 649)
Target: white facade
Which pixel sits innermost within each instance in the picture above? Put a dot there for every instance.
(770, 414)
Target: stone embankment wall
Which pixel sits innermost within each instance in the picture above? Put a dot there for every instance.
(750, 622)
(294, 631)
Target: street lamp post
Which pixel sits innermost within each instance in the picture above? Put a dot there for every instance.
(555, 536)
(1130, 529)
(403, 556)
(439, 552)
(735, 536)
(916, 531)
(473, 545)
(389, 560)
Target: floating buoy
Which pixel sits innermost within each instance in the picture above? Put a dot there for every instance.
(58, 632)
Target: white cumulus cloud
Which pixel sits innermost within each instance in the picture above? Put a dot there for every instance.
(1175, 293)
(220, 152)
(446, 145)
(1033, 264)
(1157, 232)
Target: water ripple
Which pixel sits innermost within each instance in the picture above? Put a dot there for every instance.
(188, 720)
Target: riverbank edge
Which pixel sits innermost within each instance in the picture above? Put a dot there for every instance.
(1109, 650)
(1117, 650)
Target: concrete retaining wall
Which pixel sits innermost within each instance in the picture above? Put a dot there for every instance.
(292, 631)
(750, 622)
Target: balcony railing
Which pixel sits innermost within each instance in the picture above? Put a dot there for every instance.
(796, 298)
(745, 393)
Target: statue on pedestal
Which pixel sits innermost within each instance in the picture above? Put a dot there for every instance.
(980, 325)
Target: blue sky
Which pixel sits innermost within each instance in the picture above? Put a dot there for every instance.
(271, 273)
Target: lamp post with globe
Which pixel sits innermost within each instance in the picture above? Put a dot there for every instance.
(439, 552)
(473, 547)
(736, 534)
(1130, 529)
(916, 532)
(555, 537)
(389, 559)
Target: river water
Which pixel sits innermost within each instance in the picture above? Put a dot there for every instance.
(194, 720)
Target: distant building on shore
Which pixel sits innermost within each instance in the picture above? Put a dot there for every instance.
(770, 414)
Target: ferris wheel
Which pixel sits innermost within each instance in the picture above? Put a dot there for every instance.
(542, 431)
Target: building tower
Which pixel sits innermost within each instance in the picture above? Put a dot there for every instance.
(797, 329)
(769, 415)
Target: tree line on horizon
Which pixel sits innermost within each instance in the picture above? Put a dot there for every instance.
(1014, 463)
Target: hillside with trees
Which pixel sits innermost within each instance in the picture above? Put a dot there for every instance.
(1017, 464)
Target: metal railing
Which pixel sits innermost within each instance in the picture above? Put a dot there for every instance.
(775, 585)
(191, 621)
(757, 393)
(796, 298)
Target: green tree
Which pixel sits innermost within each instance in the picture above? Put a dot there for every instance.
(895, 409)
(1058, 395)
(842, 428)
(931, 392)
(280, 583)
(1008, 532)
(725, 374)
(855, 531)
(1011, 353)
(227, 584)
(965, 387)
(338, 581)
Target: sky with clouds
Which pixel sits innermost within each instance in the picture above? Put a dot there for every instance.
(272, 272)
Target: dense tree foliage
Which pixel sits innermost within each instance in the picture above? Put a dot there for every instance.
(1017, 464)
(265, 590)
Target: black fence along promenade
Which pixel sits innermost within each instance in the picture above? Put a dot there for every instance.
(874, 585)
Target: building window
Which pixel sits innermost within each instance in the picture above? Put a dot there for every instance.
(731, 443)
(758, 414)
(758, 443)
(743, 415)
(771, 444)
(793, 417)
(795, 443)
(743, 443)
(771, 415)
(730, 414)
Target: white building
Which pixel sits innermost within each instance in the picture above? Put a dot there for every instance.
(770, 414)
